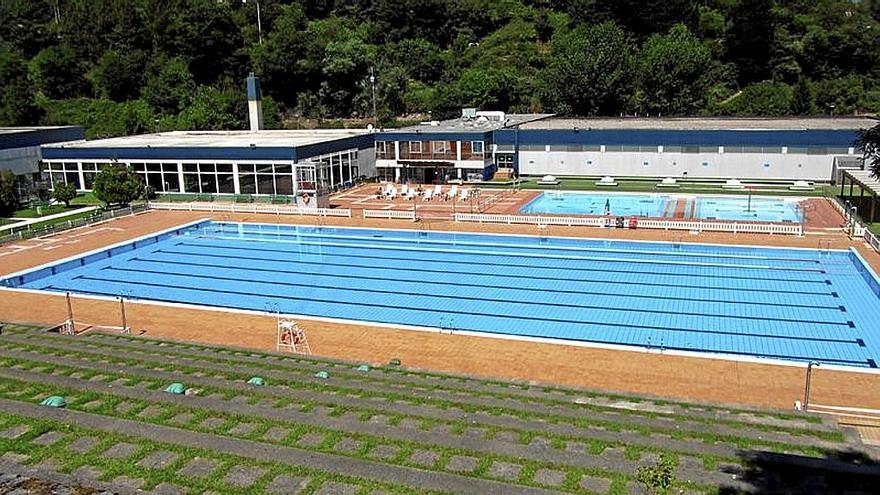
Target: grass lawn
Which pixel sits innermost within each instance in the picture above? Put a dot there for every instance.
(31, 212)
(87, 199)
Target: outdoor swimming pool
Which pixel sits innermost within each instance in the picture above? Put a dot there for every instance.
(760, 209)
(734, 208)
(791, 304)
(570, 203)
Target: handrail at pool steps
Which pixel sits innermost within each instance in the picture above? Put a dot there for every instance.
(735, 227)
(390, 214)
(62, 226)
(855, 226)
(251, 208)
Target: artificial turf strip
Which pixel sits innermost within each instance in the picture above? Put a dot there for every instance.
(470, 385)
(488, 404)
(264, 453)
(59, 454)
(156, 382)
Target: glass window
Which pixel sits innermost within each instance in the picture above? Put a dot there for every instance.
(246, 168)
(138, 167)
(155, 181)
(172, 183)
(801, 150)
(191, 183)
(612, 147)
(154, 167)
(89, 178)
(225, 168)
(56, 178)
(247, 183)
(265, 184)
(73, 178)
(708, 149)
(672, 149)
(208, 183)
(225, 183)
(207, 167)
(284, 184)
(264, 169)
(190, 167)
(415, 146)
(169, 167)
(283, 169)
(477, 147)
(690, 149)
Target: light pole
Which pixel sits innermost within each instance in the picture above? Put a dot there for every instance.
(259, 23)
(373, 91)
(807, 384)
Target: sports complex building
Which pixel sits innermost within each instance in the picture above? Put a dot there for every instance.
(471, 148)
(20, 150)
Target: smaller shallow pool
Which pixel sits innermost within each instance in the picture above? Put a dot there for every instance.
(569, 203)
(740, 208)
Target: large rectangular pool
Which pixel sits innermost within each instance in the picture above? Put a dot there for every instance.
(790, 304)
(572, 203)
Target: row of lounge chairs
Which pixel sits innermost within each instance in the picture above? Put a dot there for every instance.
(671, 183)
(428, 194)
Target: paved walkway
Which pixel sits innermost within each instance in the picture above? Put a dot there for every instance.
(29, 221)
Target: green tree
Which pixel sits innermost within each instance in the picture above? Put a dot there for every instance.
(674, 71)
(8, 199)
(590, 71)
(17, 106)
(117, 184)
(803, 102)
(215, 110)
(748, 39)
(204, 33)
(868, 144)
(761, 99)
(64, 192)
(488, 88)
(169, 85)
(279, 61)
(59, 73)
(119, 76)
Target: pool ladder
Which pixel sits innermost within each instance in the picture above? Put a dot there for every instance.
(447, 325)
(824, 248)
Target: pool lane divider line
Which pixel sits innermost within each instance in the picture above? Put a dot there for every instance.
(328, 228)
(459, 312)
(544, 247)
(462, 284)
(533, 277)
(477, 332)
(453, 296)
(484, 263)
(739, 357)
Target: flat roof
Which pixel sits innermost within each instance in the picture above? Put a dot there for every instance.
(220, 139)
(707, 123)
(19, 130)
(470, 125)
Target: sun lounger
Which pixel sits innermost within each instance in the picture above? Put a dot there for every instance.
(548, 180)
(801, 185)
(453, 191)
(411, 194)
(669, 183)
(606, 181)
(438, 190)
(733, 184)
(465, 194)
(429, 193)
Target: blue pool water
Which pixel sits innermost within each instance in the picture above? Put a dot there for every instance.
(761, 209)
(761, 302)
(569, 203)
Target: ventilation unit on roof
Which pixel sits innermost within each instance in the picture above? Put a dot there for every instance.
(468, 113)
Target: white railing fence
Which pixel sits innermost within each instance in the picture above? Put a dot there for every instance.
(251, 208)
(700, 226)
(391, 214)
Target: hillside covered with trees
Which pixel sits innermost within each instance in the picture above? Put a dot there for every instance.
(132, 66)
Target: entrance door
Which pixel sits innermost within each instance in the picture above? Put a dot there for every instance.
(430, 175)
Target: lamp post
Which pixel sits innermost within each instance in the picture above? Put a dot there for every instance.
(259, 23)
(373, 91)
(809, 379)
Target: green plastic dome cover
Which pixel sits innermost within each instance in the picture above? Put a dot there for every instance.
(175, 388)
(322, 375)
(363, 368)
(258, 381)
(54, 401)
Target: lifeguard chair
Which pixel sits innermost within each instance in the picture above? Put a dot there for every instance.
(292, 338)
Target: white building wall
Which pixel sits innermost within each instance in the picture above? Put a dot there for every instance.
(697, 165)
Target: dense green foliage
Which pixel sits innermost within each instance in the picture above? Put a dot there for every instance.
(64, 193)
(868, 144)
(126, 66)
(8, 200)
(118, 184)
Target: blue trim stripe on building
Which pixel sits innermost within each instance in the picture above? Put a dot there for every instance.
(650, 137)
(35, 137)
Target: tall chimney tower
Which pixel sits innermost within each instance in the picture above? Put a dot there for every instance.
(255, 103)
